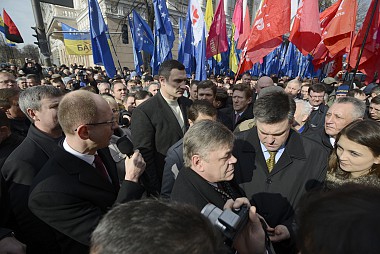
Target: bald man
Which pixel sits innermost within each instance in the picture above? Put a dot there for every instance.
(262, 82)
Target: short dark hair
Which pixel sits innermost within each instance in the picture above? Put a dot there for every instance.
(317, 88)
(151, 226)
(345, 220)
(274, 108)
(243, 88)
(204, 84)
(201, 107)
(142, 94)
(376, 100)
(167, 66)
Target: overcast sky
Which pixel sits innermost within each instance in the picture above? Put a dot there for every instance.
(21, 13)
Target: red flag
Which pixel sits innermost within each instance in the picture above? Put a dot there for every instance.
(321, 52)
(337, 34)
(246, 30)
(10, 30)
(217, 37)
(370, 60)
(306, 31)
(272, 21)
(237, 18)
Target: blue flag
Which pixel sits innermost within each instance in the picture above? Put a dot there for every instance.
(137, 58)
(200, 58)
(188, 47)
(163, 35)
(181, 41)
(143, 36)
(100, 49)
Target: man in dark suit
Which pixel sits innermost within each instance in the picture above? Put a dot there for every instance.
(316, 100)
(209, 167)
(276, 166)
(79, 183)
(40, 105)
(199, 110)
(241, 105)
(160, 122)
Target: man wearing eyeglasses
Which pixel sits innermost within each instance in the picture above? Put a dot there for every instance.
(316, 100)
(79, 184)
(7, 80)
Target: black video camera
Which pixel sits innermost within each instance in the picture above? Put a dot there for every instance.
(229, 222)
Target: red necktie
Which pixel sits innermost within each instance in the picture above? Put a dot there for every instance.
(100, 167)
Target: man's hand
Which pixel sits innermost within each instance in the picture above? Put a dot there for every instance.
(134, 167)
(252, 238)
(279, 233)
(10, 245)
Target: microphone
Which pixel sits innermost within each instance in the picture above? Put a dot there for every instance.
(125, 146)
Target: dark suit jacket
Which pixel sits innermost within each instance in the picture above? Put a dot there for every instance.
(317, 117)
(247, 114)
(173, 161)
(301, 167)
(18, 172)
(154, 129)
(191, 188)
(71, 196)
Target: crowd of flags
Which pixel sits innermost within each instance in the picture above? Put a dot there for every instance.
(314, 39)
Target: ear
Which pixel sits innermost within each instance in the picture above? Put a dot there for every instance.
(32, 114)
(162, 80)
(249, 99)
(377, 160)
(196, 163)
(190, 122)
(83, 132)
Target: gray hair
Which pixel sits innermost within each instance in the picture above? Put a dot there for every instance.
(306, 107)
(203, 137)
(359, 106)
(32, 96)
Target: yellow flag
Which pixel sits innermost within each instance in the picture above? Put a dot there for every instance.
(233, 63)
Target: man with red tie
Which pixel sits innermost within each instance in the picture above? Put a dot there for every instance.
(79, 184)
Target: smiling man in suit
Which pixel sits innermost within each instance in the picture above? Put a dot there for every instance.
(79, 183)
(160, 122)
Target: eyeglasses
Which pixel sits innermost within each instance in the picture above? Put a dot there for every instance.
(112, 122)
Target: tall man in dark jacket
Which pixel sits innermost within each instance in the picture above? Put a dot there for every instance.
(160, 122)
(276, 166)
(79, 183)
(40, 104)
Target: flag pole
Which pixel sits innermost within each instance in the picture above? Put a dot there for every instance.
(117, 57)
(363, 43)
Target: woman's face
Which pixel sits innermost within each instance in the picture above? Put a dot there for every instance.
(355, 158)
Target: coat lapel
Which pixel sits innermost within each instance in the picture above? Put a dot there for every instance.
(86, 173)
(168, 114)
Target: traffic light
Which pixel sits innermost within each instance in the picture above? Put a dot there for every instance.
(37, 36)
(124, 35)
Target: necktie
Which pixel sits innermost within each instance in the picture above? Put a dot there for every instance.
(100, 167)
(237, 117)
(271, 160)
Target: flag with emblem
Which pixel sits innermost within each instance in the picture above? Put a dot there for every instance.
(137, 58)
(163, 35)
(217, 37)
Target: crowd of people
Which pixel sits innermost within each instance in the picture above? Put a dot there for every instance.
(127, 164)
